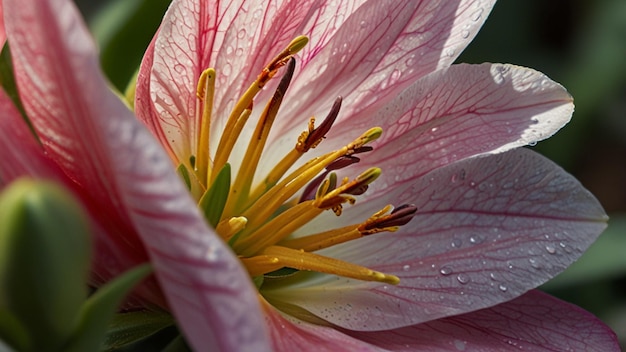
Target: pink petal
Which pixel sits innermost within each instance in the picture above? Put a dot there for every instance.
(237, 38)
(487, 230)
(290, 334)
(21, 154)
(532, 322)
(383, 47)
(457, 113)
(98, 143)
(3, 34)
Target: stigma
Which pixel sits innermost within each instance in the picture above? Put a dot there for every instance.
(259, 215)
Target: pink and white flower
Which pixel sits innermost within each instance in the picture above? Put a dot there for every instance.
(488, 222)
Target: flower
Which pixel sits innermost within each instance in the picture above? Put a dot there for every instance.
(477, 226)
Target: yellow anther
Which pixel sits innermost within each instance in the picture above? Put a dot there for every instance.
(229, 227)
(297, 44)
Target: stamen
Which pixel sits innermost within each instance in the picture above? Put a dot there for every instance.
(267, 204)
(315, 136)
(245, 102)
(240, 190)
(276, 229)
(229, 227)
(205, 92)
(301, 260)
(305, 142)
(381, 221)
(398, 217)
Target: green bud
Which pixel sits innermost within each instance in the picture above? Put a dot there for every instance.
(45, 253)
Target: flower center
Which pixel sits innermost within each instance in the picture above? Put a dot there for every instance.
(259, 222)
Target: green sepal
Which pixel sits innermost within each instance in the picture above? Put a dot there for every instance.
(7, 80)
(213, 201)
(183, 172)
(45, 254)
(100, 308)
(140, 331)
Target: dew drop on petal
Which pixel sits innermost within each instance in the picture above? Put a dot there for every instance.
(459, 345)
(406, 267)
(445, 270)
(502, 288)
(477, 14)
(456, 243)
(534, 263)
(475, 239)
(550, 249)
(465, 34)
(492, 276)
(463, 279)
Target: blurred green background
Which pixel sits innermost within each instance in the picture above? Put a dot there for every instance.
(579, 43)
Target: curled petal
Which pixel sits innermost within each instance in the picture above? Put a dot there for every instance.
(98, 143)
(532, 322)
(487, 230)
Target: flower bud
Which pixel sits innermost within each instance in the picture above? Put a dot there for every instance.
(45, 252)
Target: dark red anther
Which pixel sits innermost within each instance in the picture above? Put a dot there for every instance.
(316, 136)
(400, 216)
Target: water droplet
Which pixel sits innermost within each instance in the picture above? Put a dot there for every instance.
(229, 50)
(532, 143)
(502, 288)
(410, 61)
(434, 129)
(534, 263)
(363, 24)
(509, 264)
(454, 178)
(406, 267)
(550, 249)
(476, 239)
(459, 345)
(241, 33)
(450, 52)
(492, 276)
(477, 14)
(445, 271)
(456, 243)
(463, 279)
(465, 34)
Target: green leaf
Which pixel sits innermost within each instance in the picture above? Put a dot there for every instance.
(214, 199)
(123, 31)
(45, 254)
(100, 308)
(140, 331)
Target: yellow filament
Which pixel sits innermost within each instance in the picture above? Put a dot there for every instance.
(265, 206)
(301, 260)
(276, 229)
(205, 92)
(324, 239)
(245, 102)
